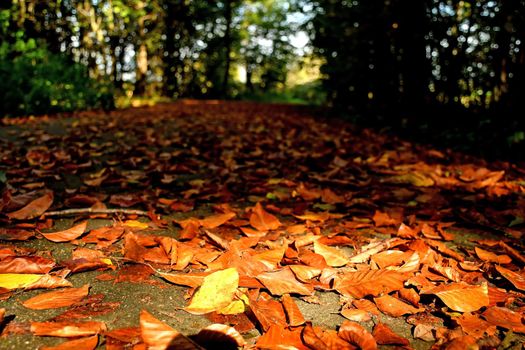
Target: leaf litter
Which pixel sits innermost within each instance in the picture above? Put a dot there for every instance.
(257, 212)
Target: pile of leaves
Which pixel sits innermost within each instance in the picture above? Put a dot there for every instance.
(257, 210)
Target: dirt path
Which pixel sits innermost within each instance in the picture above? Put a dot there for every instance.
(355, 226)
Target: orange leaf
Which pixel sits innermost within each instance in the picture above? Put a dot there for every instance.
(88, 343)
(57, 299)
(284, 282)
(279, 337)
(394, 307)
(318, 338)
(333, 256)
(190, 279)
(67, 329)
(66, 235)
(491, 257)
(293, 314)
(157, 335)
(268, 313)
(385, 336)
(505, 318)
(366, 305)
(518, 280)
(356, 334)
(305, 273)
(262, 220)
(356, 315)
(34, 209)
(216, 220)
(370, 282)
(475, 326)
(461, 297)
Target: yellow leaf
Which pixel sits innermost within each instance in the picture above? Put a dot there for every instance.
(106, 261)
(18, 280)
(216, 292)
(333, 256)
(235, 307)
(136, 224)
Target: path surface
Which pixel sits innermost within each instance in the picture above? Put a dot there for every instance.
(247, 204)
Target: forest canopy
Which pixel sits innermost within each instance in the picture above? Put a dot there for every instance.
(397, 61)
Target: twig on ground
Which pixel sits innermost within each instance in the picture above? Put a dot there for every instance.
(76, 211)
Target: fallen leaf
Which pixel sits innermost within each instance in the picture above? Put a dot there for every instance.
(461, 297)
(318, 338)
(26, 264)
(505, 318)
(283, 281)
(386, 336)
(88, 343)
(57, 299)
(159, 336)
(369, 282)
(279, 337)
(34, 209)
(293, 314)
(261, 220)
(356, 334)
(491, 257)
(394, 307)
(67, 329)
(216, 292)
(216, 220)
(356, 315)
(517, 279)
(18, 280)
(66, 235)
(333, 256)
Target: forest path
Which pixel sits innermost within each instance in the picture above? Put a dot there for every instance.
(393, 211)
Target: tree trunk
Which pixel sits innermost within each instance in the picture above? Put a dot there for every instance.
(227, 46)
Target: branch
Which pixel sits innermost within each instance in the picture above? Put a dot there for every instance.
(68, 212)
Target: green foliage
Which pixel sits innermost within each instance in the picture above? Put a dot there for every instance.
(35, 81)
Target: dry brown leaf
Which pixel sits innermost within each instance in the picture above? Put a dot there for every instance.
(278, 337)
(293, 314)
(159, 336)
(305, 273)
(366, 305)
(268, 313)
(356, 315)
(34, 209)
(356, 334)
(386, 336)
(88, 343)
(57, 299)
(320, 339)
(518, 280)
(262, 220)
(67, 329)
(491, 257)
(190, 279)
(216, 220)
(394, 307)
(26, 264)
(369, 282)
(333, 256)
(474, 325)
(461, 297)
(505, 318)
(66, 235)
(284, 282)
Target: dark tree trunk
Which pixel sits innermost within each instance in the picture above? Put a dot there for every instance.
(228, 47)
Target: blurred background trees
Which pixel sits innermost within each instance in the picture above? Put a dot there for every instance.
(412, 65)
